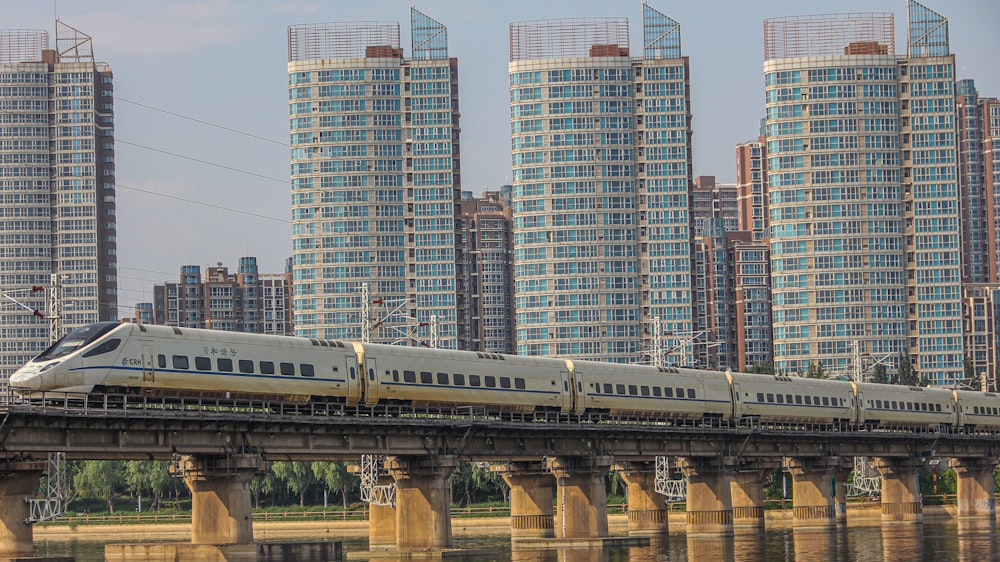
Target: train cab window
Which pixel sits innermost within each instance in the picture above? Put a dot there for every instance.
(409, 376)
(633, 390)
(619, 389)
(180, 361)
(473, 380)
(224, 364)
(105, 347)
(760, 396)
(644, 390)
(691, 393)
(781, 398)
(490, 381)
(246, 366)
(459, 379)
(307, 370)
(656, 391)
(426, 377)
(161, 360)
(442, 378)
(287, 369)
(798, 399)
(519, 383)
(203, 363)
(607, 388)
(267, 367)
(770, 397)
(504, 382)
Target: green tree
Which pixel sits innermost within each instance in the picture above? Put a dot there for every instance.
(907, 374)
(335, 476)
(815, 371)
(880, 374)
(100, 480)
(263, 484)
(296, 476)
(765, 368)
(151, 479)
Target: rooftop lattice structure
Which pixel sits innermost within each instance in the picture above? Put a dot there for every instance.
(343, 40)
(568, 38)
(429, 38)
(661, 35)
(928, 32)
(828, 35)
(22, 45)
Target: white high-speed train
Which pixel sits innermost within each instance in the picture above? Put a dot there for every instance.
(147, 360)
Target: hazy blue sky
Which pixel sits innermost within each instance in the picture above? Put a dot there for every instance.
(225, 61)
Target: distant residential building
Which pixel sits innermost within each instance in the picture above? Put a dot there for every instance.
(978, 135)
(981, 308)
(57, 166)
(751, 187)
(244, 301)
(712, 202)
(486, 235)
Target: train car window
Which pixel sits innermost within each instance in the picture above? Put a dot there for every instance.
(680, 393)
(490, 381)
(826, 400)
(180, 361)
(161, 360)
(770, 397)
(442, 378)
(633, 390)
(519, 383)
(203, 363)
(975, 409)
(909, 405)
(691, 393)
(894, 405)
(286, 369)
(798, 399)
(504, 382)
(105, 347)
(668, 392)
(644, 390)
(760, 396)
(878, 403)
(619, 389)
(937, 407)
(267, 367)
(409, 376)
(781, 398)
(607, 388)
(473, 380)
(224, 364)
(426, 377)
(656, 391)
(246, 366)
(351, 373)
(923, 406)
(307, 370)
(459, 379)
(816, 400)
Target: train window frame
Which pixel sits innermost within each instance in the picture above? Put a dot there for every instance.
(519, 383)
(224, 364)
(307, 370)
(459, 379)
(443, 378)
(267, 367)
(104, 347)
(409, 377)
(246, 366)
(202, 363)
(692, 394)
(426, 377)
(161, 360)
(504, 382)
(474, 380)
(180, 361)
(489, 381)
(287, 369)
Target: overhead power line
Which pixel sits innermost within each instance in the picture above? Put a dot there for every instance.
(220, 207)
(210, 124)
(223, 166)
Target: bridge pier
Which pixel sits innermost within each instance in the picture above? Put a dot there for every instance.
(976, 488)
(647, 513)
(423, 501)
(900, 489)
(709, 495)
(747, 491)
(221, 509)
(814, 491)
(530, 500)
(581, 498)
(382, 523)
(18, 481)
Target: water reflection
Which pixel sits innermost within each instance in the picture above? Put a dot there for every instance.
(749, 546)
(903, 542)
(710, 549)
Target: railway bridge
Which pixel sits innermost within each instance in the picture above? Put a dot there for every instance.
(217, 446)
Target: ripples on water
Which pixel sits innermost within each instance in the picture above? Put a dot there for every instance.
(972, 541)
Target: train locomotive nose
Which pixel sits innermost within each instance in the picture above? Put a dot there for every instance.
(31, 381)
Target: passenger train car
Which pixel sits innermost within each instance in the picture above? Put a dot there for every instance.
(146, 360)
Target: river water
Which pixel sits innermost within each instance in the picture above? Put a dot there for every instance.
(974, 541)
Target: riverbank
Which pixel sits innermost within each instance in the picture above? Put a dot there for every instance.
(857, 516)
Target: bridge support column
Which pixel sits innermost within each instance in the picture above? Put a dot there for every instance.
(581, 498)
(709, 495)
(900, 489)
(221, 510)
(747, 491)
(18, 480)
(814, 491)
(382, 523)
(530, 500)
(647, 513)
(423, 501)
(975, 486)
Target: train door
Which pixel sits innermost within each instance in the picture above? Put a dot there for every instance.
(148, 374)
(568, 392)
(858, 406)
(737, 400)
(354, 379)
(371, 381)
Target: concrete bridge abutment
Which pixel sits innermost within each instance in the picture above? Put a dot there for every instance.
(18, 481)
(423, 501)
(221, 509)
(976, 488)
(709, 495)
(531, 513)
(901, 502)
(581, 496)
(647, 513)
(814, 491)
